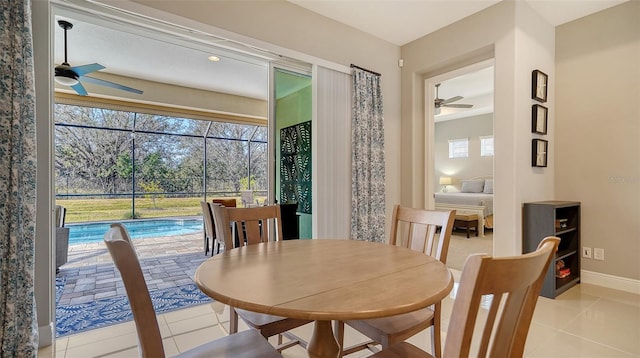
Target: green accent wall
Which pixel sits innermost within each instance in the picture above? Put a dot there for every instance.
(292, 108)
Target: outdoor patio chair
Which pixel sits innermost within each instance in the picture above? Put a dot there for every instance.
(62, 237)
(230, 203)
(514, 284)
(416, 229)
(253, 226)
(243, 344)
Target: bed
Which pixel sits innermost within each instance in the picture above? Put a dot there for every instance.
(475, 197)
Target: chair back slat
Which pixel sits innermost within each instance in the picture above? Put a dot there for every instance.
(514, 283)
(250, 225)
(427, 231)
(207, 217)
(126, 261)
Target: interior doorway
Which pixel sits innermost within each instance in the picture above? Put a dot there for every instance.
(459, 153)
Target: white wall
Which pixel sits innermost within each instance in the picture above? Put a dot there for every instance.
(519, 41)
(597, 133)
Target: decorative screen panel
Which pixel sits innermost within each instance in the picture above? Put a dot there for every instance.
(295, 165)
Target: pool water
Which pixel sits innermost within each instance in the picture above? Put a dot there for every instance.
(138, 229)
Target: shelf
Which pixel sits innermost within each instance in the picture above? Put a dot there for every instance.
(566, 230)
(565, 254)
(539, 221)
(563, 284)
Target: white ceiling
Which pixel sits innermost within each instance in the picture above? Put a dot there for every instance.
(477, 90)
(402, 21)
(139, 56)
(397, 21)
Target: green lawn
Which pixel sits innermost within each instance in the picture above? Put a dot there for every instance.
(82, 210)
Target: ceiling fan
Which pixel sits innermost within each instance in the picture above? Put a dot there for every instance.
(73, 76)
(439, 102)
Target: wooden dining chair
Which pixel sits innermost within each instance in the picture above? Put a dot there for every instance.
(514, 284)
(428, 231)
(209, 231)
(255, 225)
(243, 344)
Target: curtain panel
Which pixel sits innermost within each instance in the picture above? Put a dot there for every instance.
(18, 324)
(332, 168)
(367, 158)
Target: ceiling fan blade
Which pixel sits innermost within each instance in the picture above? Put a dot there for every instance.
(452, 99)
(454, 105)
(79, 88)
(100, 82)
(84, 69)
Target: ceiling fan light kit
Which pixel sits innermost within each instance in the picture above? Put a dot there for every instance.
(73, 76)
(66, 80)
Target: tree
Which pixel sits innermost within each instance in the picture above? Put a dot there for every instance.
(95, 151)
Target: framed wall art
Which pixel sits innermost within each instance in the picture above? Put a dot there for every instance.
(539, 86)
(539, 119)
(539, 148)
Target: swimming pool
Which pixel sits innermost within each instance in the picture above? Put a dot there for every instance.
(138, 229)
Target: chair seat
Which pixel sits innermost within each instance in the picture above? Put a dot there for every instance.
(269, 325)
(402, 350)
(400, 326)
(248, 343)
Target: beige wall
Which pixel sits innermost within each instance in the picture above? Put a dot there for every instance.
(520, 41)
(171, 95)
(598, 132)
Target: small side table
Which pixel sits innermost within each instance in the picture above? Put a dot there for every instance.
(467, 221)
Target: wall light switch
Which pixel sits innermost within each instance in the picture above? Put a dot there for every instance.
(598, 254)
(586, 252)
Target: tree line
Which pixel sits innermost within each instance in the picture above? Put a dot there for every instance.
(103, 151)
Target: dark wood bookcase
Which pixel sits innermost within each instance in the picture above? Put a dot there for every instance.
(554, 218)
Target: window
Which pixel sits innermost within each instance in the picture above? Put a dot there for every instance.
(486, 146)
(459, 148)
(151, 165)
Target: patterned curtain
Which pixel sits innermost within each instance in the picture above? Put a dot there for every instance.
(18, 324)
(367, 158)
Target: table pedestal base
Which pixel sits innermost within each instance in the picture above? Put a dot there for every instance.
(323, 344)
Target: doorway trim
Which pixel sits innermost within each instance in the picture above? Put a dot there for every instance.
(429, 135)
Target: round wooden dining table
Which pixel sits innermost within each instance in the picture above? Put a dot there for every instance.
(325, 280)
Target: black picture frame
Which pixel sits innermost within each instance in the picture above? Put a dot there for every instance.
(539, 86)
(539, 150)
(539, 119)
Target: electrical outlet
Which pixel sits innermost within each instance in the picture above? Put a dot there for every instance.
(598, 254)
(586, 252)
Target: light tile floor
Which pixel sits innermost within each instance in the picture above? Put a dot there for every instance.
(585, 321)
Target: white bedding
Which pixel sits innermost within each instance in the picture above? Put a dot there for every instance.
(473, 199)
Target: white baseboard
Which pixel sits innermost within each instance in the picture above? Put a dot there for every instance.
(610, 281)
(45, 335)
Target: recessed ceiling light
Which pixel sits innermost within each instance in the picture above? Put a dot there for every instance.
(213, 58)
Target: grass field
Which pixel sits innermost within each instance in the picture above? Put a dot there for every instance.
(83, 210)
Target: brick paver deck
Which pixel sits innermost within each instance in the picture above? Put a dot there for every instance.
(167, 261)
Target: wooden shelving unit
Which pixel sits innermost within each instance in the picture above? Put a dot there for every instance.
(554, 218)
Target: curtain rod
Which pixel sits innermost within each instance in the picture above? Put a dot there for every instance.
(364, 69)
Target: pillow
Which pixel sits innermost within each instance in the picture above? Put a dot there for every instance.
(488, 186)
(472, 186)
